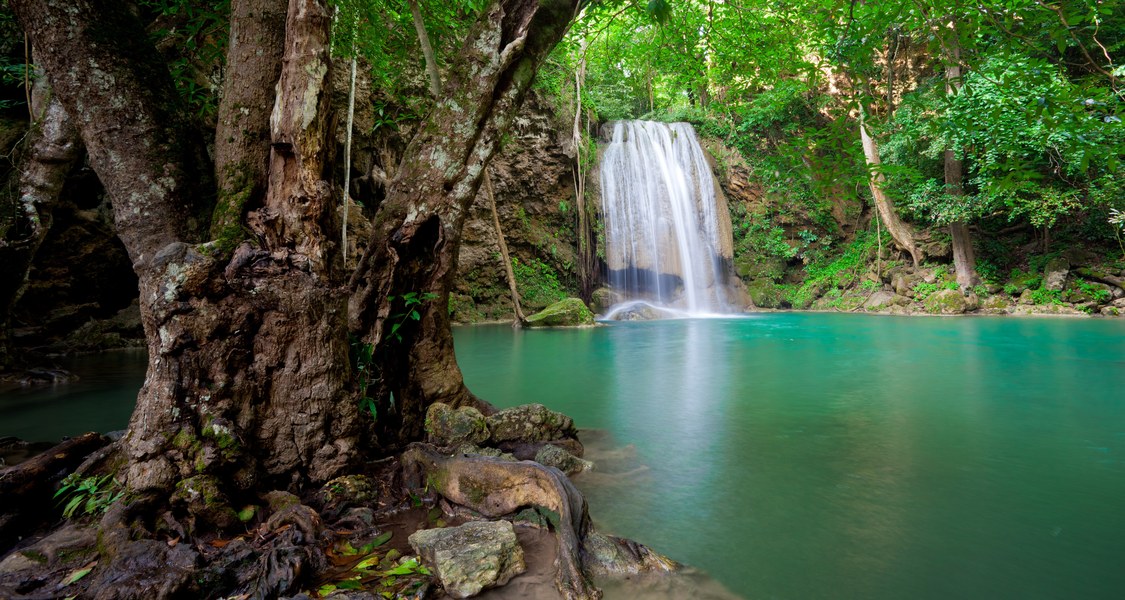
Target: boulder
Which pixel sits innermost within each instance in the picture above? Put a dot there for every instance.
(1055, 273)
(570, 312)
(603, 298)
(446, 426)
(880, 300)
(996, 304)
(471, 557)
(530, 422)
(950, 302)
(551, 455)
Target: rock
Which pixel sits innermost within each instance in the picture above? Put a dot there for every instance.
(1119, 303)
(771, 268)
(996, 304)
(1046, 309)
(1055, 273)
(446, 426)
(1111, 311)
(530, 422)
(571, 312)
(948, 302)
(348, 490)
(880, 300)
(472, 450)
(609, 556)
(638, 311)
(147, 569)
(472, 557)
(764, 293)
(603, 298)
(1026, 297)
(551, 455)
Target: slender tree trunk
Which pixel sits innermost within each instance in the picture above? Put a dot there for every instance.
(964, 260)
(53, 150)
(521, 319)
(584, 233)
(248, 383)
(427, 49)
(242, 136)
(899, 229)
(417, 232)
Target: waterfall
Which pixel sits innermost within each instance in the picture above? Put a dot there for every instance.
(666, 241)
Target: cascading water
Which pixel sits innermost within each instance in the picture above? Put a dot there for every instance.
(667, 243)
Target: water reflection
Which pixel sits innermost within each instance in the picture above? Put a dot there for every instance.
(844, 456)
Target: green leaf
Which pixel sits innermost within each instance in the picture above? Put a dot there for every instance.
(79, 574)
(379, 540)
(414, 315)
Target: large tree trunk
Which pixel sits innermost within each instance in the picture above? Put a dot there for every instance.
(417, 232)
(54, 149)
(248, 376)
(964, 260)
(899, 229)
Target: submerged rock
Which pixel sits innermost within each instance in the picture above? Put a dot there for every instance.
(446, 426)
(472, 557)
(551, 455)
(570, 312)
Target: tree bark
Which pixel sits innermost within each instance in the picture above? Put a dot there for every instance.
(521, 319)
(242, 136)
(54, 149)
(899, 229)
(248, 381)
(417, 232)
(964, 260)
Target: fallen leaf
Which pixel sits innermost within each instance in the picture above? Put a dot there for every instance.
(80, 573)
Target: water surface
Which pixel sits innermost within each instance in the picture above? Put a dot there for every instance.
(847, 456)
(798, 456)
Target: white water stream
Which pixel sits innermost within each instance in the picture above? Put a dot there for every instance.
(665, 237)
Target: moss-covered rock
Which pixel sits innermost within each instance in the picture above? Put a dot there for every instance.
(551, 455)
(446, 426)
(602, 299)
(1055, 273)
(471, 557)
(754, 267)
(571, 312)
(948, 302)
(764, 293)
(530, 422)
(996, 304)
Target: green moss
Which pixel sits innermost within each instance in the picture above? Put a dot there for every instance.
(247, 513)
(184, 439)
(227, 229)
(32, 555)
(566, 313)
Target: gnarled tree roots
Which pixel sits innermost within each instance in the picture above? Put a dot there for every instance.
(495, 487)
